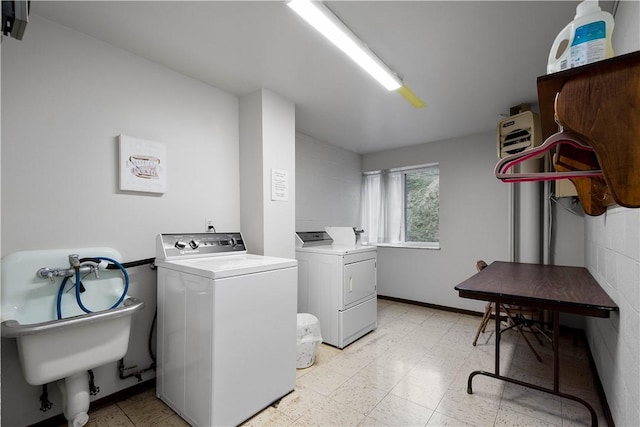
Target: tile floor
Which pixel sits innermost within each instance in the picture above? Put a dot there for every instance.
(411, 371)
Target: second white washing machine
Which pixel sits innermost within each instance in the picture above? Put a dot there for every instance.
(227, 325)
(337, 283)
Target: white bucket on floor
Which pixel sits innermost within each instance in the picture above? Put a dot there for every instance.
(308, 339)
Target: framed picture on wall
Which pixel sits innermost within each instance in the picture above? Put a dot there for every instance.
(143, 165)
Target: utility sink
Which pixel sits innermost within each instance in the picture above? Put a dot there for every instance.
(52, 349)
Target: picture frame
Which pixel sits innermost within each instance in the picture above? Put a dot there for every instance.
(143, 165)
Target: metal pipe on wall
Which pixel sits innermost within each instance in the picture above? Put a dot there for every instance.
(546, 224)
(527, 218)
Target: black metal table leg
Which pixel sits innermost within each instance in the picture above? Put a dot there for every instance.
(556, 370)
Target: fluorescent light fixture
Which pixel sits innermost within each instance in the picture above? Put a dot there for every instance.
(323, 20)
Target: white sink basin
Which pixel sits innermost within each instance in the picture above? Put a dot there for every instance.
(53, 349)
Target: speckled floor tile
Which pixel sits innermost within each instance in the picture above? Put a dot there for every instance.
(371, 422)
(172, 421)
(325, 353)
(533, 403)
(428, 395)
(477, 408)
(442, 420)
(145, 408)
(111, 416)
(269, 417)
(295, 404)
(509, 418)
(383, 376)
(358, 395)
(396, 411)
(322, 380)
(575, 414)
(347, 364)
(330, 413)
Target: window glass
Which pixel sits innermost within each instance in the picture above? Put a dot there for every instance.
(421, 205)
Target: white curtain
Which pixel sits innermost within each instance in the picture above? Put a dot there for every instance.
(382, 207)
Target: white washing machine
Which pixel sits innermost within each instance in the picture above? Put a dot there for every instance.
(226, 328)
(337, 284)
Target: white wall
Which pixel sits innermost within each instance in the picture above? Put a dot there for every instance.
(473, 221)
(280, 147)
(612, 255)
(614, 261)
(328, 185)
(267, 143)
(567, 246)
(65, 99)
(252, 155)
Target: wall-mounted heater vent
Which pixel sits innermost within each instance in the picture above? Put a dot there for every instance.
(518, 132)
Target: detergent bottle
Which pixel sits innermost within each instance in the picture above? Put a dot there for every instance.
(584, 40)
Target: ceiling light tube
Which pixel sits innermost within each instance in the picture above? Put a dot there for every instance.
(323, 20)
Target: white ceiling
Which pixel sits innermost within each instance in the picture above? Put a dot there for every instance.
(469, 61)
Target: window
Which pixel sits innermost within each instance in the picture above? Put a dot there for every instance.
(401, 206)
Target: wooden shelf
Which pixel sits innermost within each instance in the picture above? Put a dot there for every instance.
(599, 102)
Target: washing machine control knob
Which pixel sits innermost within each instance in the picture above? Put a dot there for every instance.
(180, 244)
(194, 244)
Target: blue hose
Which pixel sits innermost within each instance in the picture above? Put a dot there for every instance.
(77, 285)
(59, 302)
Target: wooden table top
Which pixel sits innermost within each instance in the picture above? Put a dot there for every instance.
(548, 287)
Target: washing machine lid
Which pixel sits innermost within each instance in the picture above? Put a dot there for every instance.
(337, 249)
(218, 267)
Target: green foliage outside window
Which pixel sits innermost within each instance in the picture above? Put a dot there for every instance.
(422, 205)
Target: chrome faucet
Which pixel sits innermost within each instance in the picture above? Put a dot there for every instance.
(74, 262)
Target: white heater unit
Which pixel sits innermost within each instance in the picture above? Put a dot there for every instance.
(519, 132)
(15, 16)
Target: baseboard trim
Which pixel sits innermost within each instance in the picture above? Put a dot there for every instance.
(429, 305)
